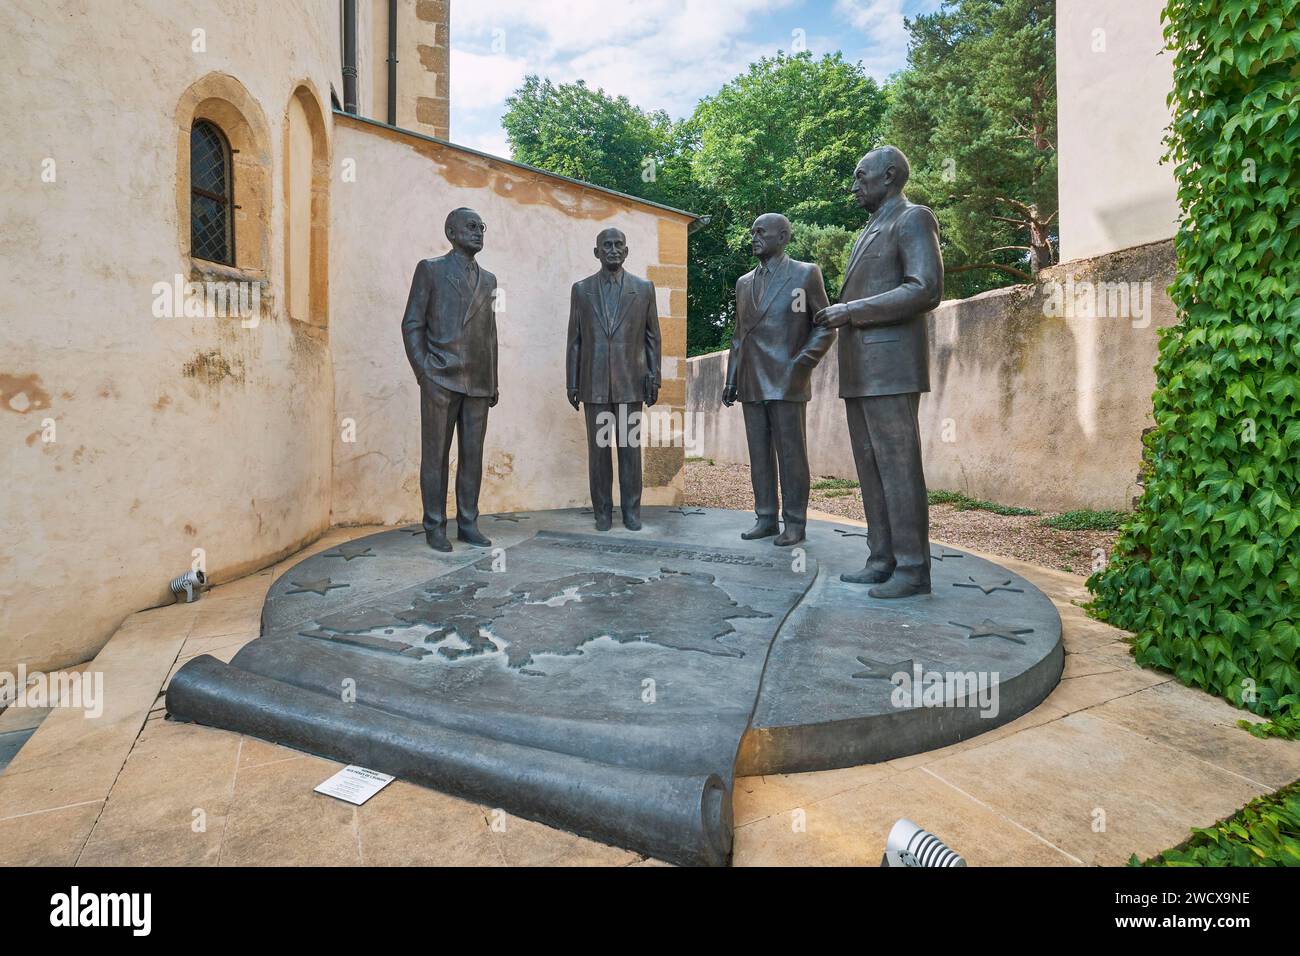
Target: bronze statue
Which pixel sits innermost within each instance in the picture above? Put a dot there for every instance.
(612, 366)
(774, 349)
(894, 277)
(450, 332)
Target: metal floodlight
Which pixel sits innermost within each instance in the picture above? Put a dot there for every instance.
(910, 845)
(191, 584)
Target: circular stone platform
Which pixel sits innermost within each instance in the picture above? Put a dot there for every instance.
(614, 683)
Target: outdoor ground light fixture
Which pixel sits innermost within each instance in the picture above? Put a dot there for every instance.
(910, 845)
(191, 584)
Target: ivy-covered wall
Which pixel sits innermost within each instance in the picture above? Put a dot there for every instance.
(1208, 572)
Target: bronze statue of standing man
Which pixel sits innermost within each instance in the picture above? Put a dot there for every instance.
(774, 350)
(894, 278)
(612, 366)
(450, 331)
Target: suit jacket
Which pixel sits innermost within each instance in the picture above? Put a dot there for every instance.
(775, 348)
(610, 357)
(894, 279)
(450, 329)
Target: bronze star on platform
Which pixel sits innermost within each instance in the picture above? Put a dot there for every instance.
(991, 628)
(877, 670)
(349, 551)
(314, 586)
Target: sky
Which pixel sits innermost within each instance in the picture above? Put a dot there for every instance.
(660, 54)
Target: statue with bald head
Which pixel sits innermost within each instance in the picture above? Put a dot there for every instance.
(893, 280)
(774, 350)
(450, 331)
(612, 367)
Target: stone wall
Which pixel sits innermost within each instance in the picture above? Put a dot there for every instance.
(131, 440)
(540, 234)
(1026, 408)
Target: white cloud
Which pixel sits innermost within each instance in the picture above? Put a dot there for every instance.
(484, 80)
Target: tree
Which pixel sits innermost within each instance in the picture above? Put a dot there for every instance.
(576, 131)
(975, 111)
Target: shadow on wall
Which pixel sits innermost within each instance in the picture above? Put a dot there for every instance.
(1040, 393)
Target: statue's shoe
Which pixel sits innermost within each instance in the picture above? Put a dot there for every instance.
(604, 522)
(897, 587)
(632, 522)
(866, 576)
(470, 534)
(761, 529)
(437, 540)
(793, 534)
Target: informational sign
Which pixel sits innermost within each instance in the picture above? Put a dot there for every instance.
(354, 784)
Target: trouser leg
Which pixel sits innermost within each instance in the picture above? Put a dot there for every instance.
(629, 459)
(789, 438)
(439, 409)
(471, 432)
(895, 430)
(879, 540)
(762, 460)
(602, 431)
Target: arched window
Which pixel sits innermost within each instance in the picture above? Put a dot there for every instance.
(212, 233)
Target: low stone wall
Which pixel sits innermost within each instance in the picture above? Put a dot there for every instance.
(1040, 393)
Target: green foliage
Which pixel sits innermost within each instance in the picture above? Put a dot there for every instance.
(1086, 521)
(785, 135)
(576, 131)
(1206, 572)
(1284, 726)
(966, 503)
(975, 111)
(828, 246)
(1265, 832)
(826, 484)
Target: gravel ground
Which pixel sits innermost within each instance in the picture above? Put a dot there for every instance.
(1024, 537)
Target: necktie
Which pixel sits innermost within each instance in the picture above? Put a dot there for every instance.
(760, 283)
(611, 300)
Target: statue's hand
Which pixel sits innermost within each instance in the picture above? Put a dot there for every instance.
(573, 398)
(496, 397)
(833, 316)
(729, 396)
(651, 390)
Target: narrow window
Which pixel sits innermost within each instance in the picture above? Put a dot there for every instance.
(212, 233)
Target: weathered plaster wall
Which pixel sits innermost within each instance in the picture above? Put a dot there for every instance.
(1025, 409)
(540, 236)
(1112, 82)
(171, 433)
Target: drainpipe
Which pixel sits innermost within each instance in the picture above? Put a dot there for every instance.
(350, 56)
(392, 62)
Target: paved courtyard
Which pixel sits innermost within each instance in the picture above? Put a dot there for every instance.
(1117, 760)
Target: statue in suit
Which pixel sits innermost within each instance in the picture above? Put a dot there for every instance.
(894, 278)
(612, 366)
(450, 332)
(774, 349)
